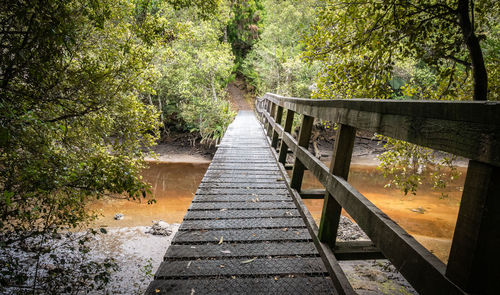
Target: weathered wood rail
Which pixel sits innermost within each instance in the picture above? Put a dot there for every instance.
(468, 129)
(245, 233)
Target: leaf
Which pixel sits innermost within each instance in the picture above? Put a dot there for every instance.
(248, 261)
(103, 230)
(221, 240)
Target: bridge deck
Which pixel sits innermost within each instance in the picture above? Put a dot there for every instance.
(242, 233)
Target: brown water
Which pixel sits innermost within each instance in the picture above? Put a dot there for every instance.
(174, 185)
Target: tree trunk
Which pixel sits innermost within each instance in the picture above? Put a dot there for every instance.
(478, 68)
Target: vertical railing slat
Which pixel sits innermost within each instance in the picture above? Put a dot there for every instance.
(303, 141)
(277, 119)
(339, 166)
(474, 255)
(287, 128)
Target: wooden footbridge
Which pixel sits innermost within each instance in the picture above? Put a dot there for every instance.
(248, 232)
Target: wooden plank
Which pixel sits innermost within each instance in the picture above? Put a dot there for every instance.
(241, 235)
(278, 222)
(235, 267)
(288, 127)
(312, 193)
(240, 198)
(467, 129)
(243, 286)
(269, 185)
(232, 173)
(303, 141)
(227, 250)
(241, 191)
(474, 257)
(242, 205)
(231, 214)
(339, 166)
(238, 179)
(357, 250)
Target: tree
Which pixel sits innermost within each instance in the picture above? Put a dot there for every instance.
(361, 44)
(72, 125)
(274, 64)
(244, 26)
(405, 49)
(191, 91)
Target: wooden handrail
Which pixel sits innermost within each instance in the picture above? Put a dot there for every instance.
(469, 129)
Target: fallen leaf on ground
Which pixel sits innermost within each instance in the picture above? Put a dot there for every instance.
(221, 240)
(249, 260)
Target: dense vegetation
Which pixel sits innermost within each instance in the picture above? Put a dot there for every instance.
(81, 90)
(88, 86)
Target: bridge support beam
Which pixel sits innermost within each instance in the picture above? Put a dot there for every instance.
(474, 256)
(303, 141)
(288, 127)
(277, 119)
(339, 166)
(269, 126)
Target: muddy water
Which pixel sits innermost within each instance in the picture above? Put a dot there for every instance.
(429, 218)
(173, 187)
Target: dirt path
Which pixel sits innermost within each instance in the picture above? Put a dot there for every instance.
(237, 96)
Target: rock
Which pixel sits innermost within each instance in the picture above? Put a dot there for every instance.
(160, 228)
(118, 216)
(349, 231)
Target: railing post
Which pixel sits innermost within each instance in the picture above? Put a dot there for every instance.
(277, 119)
(287, 128)
(475, 257)
(303, 141)
(271, 114)
(339, 166)
(267, 109)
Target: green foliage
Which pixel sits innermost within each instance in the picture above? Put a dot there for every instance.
(408, 165)
(274, 64)
(404, 50)
(244, 26)
(74, 126)
(363, 46)
(191, 92)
